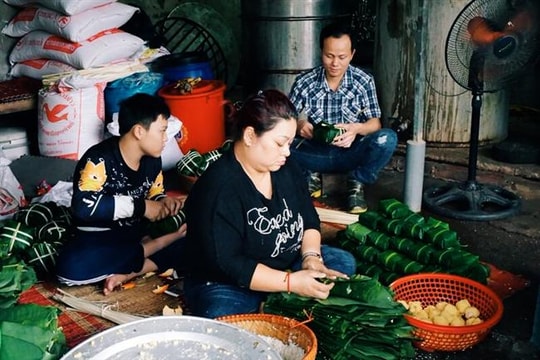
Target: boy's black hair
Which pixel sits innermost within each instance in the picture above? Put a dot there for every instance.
(336, 30)
(141, 109)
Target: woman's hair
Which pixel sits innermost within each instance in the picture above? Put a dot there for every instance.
(261, 111)
(336, 30)
(141, 109)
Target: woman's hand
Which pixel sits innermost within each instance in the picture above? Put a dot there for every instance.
(314, 263)
(307, 283)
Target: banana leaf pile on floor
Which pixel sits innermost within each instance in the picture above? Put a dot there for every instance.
(27, 331)
(359, 320)
(28, 244)
(394, 241)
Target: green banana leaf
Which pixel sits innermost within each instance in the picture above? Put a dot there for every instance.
(436, 223)
(359, 320)
(165, 226)
(325, 132)
(367, 253)
(412, 229)
(399, 263)
(15, 277)
(394, 209)
(370, 219)
(363, 289)
(378, 239)
(30, 331)
(442, 238)
(358, 232)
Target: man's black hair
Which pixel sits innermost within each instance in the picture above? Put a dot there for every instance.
(336, 30)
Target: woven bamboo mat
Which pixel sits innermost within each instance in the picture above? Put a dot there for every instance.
(139, 300)
(77, 326)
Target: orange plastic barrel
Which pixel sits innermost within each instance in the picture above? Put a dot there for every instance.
(202, 113)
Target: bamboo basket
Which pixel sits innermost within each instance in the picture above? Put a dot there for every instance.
(280, 327)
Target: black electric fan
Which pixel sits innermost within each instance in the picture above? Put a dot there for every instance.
(489, 43)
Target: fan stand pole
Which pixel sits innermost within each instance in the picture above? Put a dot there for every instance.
(471, 200)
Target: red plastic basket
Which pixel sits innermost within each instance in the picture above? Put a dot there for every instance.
(433, 288)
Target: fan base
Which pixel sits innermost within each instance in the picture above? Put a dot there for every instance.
(471, 201)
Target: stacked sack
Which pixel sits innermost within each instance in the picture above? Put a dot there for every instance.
(65, 35)
(68, 37)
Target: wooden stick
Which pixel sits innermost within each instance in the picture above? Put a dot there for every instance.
(95, 308)
(336, 216)
(105, 73)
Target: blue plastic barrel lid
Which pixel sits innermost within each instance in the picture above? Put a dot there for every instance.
(118, 90)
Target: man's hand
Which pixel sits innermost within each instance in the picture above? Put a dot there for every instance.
(305, 129)
(346, 139)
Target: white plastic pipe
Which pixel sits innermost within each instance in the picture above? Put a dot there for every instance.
(416, 148)
(414, 174)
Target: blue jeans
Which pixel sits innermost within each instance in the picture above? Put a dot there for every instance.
(363, 160)
(212, 299)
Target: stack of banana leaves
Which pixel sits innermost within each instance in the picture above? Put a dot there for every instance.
(27, 331)
(394, 241)
(359, 320)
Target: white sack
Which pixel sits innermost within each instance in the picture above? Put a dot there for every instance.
(68, 7)
(70, 122)
(38, 68)
(74, 28)
(103, 48)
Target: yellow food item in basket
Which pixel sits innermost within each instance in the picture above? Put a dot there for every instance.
(443, 313)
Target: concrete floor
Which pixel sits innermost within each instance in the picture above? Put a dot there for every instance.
(511, 244)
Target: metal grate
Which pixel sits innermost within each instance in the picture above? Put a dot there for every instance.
(181, 35)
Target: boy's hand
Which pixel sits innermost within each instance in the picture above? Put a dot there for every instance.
(172, 204)
(155, 210)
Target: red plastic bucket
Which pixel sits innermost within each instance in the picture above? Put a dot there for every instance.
(202, 113)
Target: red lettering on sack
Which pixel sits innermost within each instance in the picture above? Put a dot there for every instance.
(104, 33)
(36, 63)
(25, 15)
(57, 43)
(46, 14)
(64, 21)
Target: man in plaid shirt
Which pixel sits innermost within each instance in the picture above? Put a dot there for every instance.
(344, 96)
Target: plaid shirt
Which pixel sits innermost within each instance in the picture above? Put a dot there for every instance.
(354, 101)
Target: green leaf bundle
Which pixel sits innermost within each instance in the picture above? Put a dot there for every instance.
(394, 241)
(30, 332)
(359, 320)
(15, 277)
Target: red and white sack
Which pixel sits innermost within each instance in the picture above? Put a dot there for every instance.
(70, 122)
(11, 191)
(103, 48)
(75, 28)
(38, 68)
(67, 7)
